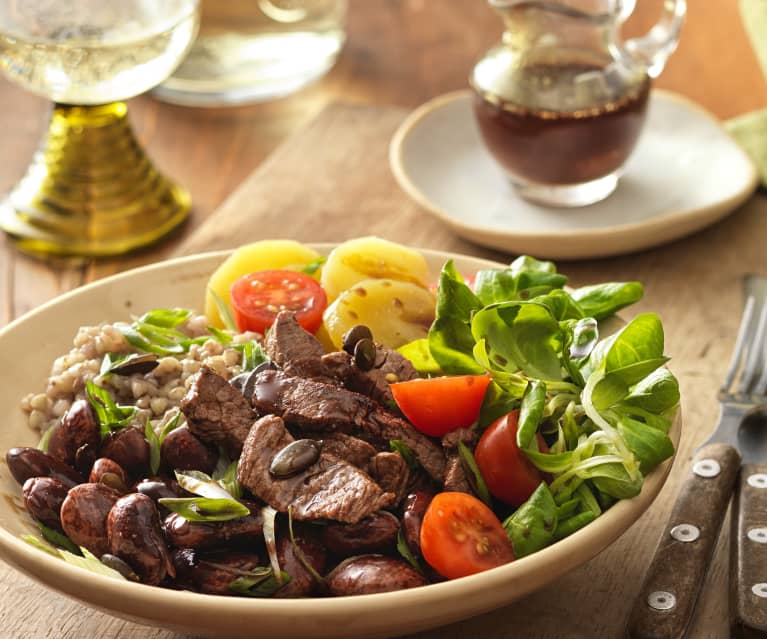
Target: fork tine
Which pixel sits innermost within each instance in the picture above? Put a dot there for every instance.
(748, 311)
(755, 348)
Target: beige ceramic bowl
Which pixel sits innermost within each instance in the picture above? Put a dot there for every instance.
(32, 343)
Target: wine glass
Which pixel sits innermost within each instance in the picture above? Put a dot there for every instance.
(90, 189)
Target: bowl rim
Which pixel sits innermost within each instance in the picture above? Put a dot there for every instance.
(166, 604)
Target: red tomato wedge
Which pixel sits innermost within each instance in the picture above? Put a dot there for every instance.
(461, 536)
(509, 475)
(258, 297)
(438, 405)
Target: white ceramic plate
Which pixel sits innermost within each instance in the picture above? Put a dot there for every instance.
(32, 343)
(685, 174)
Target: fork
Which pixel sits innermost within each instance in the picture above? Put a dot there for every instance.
(670, 591)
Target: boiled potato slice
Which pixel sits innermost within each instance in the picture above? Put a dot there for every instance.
(371, 257)
(259, 256)
(396, 312)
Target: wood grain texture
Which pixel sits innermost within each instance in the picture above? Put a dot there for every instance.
(332, 181)
(679, 565)
(748, 553)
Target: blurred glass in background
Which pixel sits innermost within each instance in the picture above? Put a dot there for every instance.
(255, 50)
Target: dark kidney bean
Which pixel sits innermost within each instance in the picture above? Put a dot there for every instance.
(85, 458)
(84, 516)
(32, 462)
(129, 449)
(182, 533)
(369, 574)
(213, 572)
(412, 517)
(135, 536)
(78, 427)
(43, 497)
(181, 450)
(108, 471)
(376, 532)
(302, 583)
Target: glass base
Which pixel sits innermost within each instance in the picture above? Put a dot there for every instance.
(567, 195)
(91, 190)
(231, 69)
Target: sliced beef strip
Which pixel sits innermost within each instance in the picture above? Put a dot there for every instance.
(390, 367)
(315, 406)
(328, 489)
(294, 350)
(216, 412)
(468, 436)
(455, 476)
(391, 472)
(347, 447)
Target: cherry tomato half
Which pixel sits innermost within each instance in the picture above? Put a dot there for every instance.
(438, 405)
(509, 475)
(461, 536)
(258, 297)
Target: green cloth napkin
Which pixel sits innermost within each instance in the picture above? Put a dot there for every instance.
(750, 130)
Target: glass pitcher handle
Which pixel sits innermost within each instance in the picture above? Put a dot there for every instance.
(653, 49)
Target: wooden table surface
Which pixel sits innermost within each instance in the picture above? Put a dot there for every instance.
(402, 53)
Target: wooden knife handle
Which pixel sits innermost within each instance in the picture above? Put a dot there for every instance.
(748, 553)
(678, 569)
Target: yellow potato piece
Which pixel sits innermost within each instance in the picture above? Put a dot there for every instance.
(396, 312)
(371, 257)
(259, 256)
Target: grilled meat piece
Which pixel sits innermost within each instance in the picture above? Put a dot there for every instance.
(468, 436)
(315, 406)
(294, 350)
(455, 476)
(216, 412)
(347, 447)
(389, 367)
(328, 489)
(391, 472)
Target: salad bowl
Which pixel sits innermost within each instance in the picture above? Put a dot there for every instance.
(32, 342)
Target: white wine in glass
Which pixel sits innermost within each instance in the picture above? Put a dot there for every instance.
(90, 189)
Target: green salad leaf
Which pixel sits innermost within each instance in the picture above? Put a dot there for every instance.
(603, 403)
(111, 417)
(602, 300)
(531, 527)
(205, 508)
(261, 582)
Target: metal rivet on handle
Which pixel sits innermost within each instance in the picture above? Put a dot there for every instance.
(760, 590)
(757, 480)
(707, 468)
(759, 535)
(662, 600)
(685, 532)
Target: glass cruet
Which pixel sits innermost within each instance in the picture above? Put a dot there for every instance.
(561, 100)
